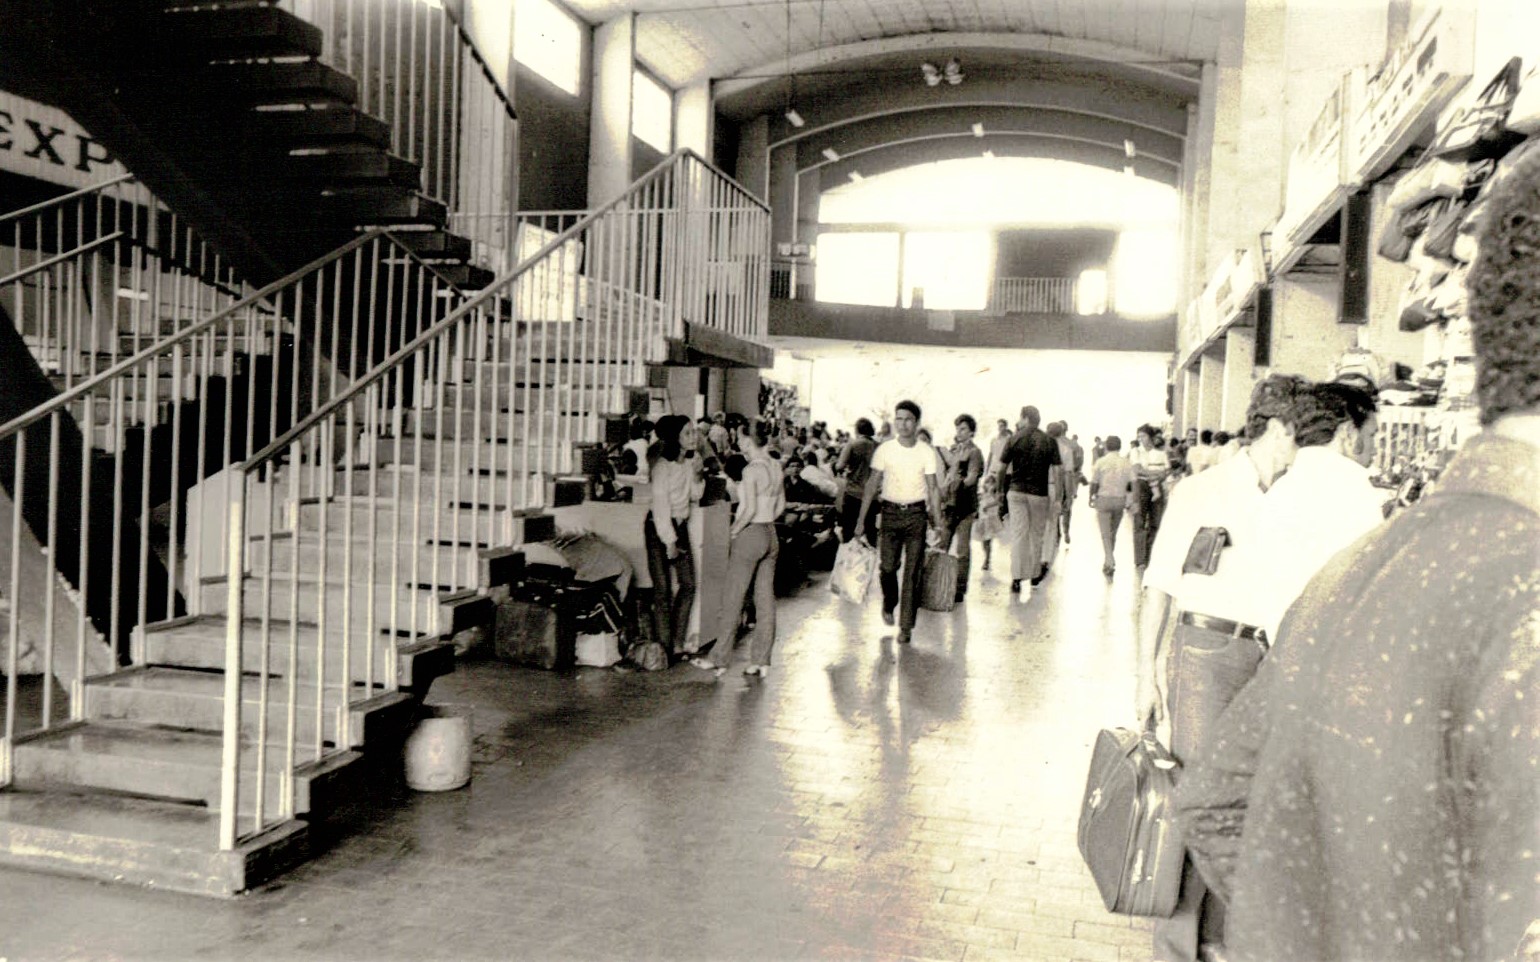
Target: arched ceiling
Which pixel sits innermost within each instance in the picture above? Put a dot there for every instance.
(688, 41)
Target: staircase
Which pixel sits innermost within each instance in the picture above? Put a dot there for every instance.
(327, 548)
(271, 488)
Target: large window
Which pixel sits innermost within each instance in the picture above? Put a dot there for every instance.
(951, 267)
(1091, 292)
(547, 40)
(858, 267)
(652, 113)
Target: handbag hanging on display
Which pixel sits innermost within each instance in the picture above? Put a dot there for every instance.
(1481, 130)
(1405, 226)
(1524, 116)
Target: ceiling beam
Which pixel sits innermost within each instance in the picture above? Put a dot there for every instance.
(915, 125)
(899, 154)
(1149, 65)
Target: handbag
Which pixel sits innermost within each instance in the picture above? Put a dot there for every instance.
(1428, 180)
(1128, 834)
(938, 584)
(1438, 240)
(1524, 115)
(1480, 130)
(854, 566)
(1404, 227)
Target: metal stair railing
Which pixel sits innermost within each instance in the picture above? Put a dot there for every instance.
(95, 274)
(418, 70)
(461, 426)
(180, 412)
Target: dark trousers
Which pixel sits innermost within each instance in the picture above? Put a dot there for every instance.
(850, 509)
(673, 585)
(1205, 672)
(902, 541)
(1146, 521)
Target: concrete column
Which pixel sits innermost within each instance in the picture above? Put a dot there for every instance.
(784, 188)
(1179, 419)
(609, 151)
(1225, 171)
(742, 391)
(1398, 23)
(754, 157)
(1197, 180)
(1190, 398)
(1239, 376)
(809, 191)
(693, 118)
(1210, 389)
(1308, 340)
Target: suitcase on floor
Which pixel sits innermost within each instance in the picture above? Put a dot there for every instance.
(938, 586)
(1128, 833)
(535, 634)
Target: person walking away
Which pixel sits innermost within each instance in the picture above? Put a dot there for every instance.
(1325, 502)
(1200, 577)
(1150, 469)
(960, 499)
(1026, 476)
(1372, 794)
(855, 463)
(674, 473)
(1097, 450)
(751, 556)
(1058, 509)
(997, 446)
(1112, 481)
(903, 479)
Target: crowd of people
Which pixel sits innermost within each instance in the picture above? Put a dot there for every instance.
(1353, 700)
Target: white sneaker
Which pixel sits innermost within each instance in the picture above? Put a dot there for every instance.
(1026, 592)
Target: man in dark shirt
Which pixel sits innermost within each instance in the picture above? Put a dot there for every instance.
(1026, 474)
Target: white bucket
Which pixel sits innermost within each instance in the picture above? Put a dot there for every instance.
(438, 752)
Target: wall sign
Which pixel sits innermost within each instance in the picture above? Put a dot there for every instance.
(1413, 86)
(1319, 174)
(1228, 293)
(44, 142)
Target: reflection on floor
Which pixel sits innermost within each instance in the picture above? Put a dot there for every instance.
(866, 801)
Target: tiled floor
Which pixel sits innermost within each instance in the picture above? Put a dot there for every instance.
(867, 801)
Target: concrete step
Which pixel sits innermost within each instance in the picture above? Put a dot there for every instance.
(139, 841)
(396, 608)
(530, 396)
(440, 564)
(550, 457)
(333, 127)
(199, 642)
(175, 765)
(503, 423)
(395, 520)
(182, 698)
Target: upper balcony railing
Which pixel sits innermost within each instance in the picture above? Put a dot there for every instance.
(418, 71)
(1032, 295)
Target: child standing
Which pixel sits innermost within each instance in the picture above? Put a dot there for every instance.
(988, 526)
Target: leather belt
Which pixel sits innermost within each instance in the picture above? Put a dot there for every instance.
(1226, 627)
(904, 505)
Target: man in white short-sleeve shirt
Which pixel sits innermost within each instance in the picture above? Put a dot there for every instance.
(903, 478)
(1324, 503)
(1215, 643)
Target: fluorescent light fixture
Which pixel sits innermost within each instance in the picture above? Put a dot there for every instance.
(831, 153)
(978, 130)
(855, 177)
(1130, 150)
(990, 154)
(128, 293)
(953, 72)
(931, 73)
(794, 118)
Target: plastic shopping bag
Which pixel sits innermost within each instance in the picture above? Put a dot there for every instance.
(855, 564)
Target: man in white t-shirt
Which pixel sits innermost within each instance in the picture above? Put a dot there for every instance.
(903, 478)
